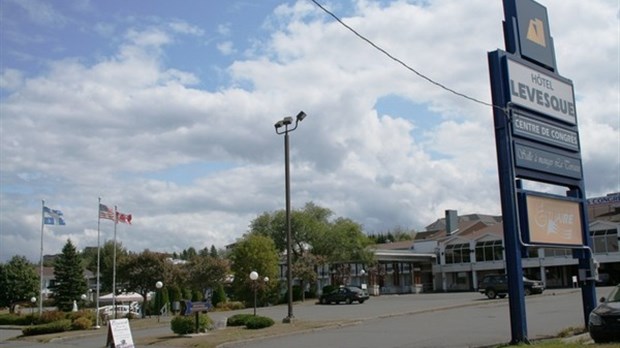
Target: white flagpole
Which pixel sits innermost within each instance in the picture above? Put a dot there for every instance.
(98, 258)
(114, 265)
(41, 259)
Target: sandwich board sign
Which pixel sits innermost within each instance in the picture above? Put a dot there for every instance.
(119, 334)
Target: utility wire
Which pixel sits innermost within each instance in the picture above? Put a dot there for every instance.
(403, 63)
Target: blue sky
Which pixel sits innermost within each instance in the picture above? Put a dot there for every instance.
(166, 109)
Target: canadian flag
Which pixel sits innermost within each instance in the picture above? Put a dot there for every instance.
(124, 218)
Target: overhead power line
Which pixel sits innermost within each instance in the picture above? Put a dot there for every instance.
(377, 47)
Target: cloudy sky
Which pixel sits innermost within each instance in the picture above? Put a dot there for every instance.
(167, 110)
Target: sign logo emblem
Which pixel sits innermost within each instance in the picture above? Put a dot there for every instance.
(536, 32)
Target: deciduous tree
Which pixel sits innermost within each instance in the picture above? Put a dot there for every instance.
(206, 272)
(19, 281)
(254, 253)
(140, 272)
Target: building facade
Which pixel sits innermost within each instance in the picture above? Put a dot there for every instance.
(455, 252)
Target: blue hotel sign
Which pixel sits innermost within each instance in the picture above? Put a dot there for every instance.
(537, 139)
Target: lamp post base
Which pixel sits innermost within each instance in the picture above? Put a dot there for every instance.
(289, 320)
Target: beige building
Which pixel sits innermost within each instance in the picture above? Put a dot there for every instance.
(455, 252)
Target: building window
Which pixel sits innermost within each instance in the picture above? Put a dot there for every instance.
(605, 241)
(490, 250)
(457, 253)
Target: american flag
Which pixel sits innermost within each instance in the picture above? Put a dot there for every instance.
(105, 212)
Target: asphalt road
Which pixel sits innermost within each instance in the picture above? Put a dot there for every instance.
(419, 320)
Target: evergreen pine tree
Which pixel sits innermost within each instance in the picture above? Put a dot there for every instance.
(213, 252)
(70, 282)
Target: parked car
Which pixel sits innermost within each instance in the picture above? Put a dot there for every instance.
(347, 294)
(496, 285)
(604, 320)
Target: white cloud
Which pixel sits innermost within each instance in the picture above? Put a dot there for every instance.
(186, 28)
(41, 12)
(226, 48)
(11, 79)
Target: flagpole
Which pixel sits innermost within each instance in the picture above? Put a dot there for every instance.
(41, 260)
(98, 259)
(114, 265)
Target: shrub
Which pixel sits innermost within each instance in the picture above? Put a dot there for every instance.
(238, 319)
(51, 316)
(88, 314)
(82, 323)
(56, 326)
(230, 306)
(14, 319)
(182, 325)
(219, 295)
(258, 322)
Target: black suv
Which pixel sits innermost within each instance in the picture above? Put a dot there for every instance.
(494, 285)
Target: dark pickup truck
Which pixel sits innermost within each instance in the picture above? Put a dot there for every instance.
(496, 285)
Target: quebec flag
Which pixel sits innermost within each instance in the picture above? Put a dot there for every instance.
(52, 217)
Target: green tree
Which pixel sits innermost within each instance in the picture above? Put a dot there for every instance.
(19, 281)
(69, 274)
(343, 243)
(205, 272)
(161, 299)
(174, 292)
(254, 253)
(106, 262)
(307, 225)
(316, 240)
(219, 295)
(213, 253)
(304, 269)
(140, 272)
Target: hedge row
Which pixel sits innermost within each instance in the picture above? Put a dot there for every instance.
(56, 326)
(250, 321)
(50, 321)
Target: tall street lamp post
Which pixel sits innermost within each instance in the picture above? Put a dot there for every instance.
(253, 277)
(286, 122)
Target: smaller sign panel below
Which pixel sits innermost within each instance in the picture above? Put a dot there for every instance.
(547, 162)
(544, 132)
(553, 221)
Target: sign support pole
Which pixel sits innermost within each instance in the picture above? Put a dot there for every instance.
(518, 324)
